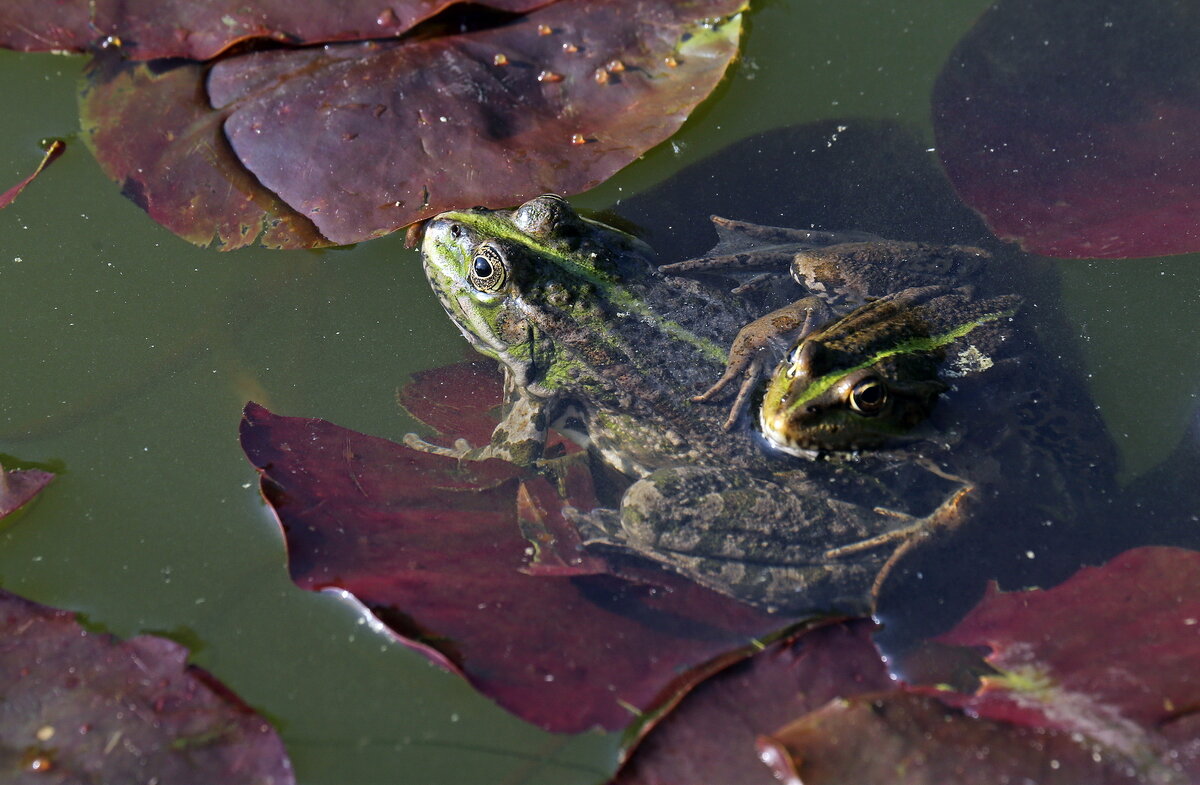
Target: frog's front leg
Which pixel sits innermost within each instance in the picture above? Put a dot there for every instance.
(754, 538)
(758, 344)
(519, 438)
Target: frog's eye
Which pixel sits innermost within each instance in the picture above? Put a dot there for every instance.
(544, 215)
(868, 396)
(487, 272)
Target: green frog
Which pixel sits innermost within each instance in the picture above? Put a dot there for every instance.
(598, 342)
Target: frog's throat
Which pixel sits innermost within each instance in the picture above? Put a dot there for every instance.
(779, 384)
(577, 265)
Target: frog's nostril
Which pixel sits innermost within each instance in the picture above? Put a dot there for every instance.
(455, 231)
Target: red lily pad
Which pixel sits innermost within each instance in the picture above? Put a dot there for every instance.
(468, 562)
(147, 29)
(17, 487)
(1112, 650)
(1073, 125)
(1095, 680)
(54, 149)
(710, 735)
(907, 739)
(302, 147)
(178, 167)
(81, 706)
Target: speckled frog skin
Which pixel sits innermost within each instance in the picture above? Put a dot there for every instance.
(591, 333)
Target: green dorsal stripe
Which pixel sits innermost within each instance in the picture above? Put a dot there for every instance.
(498, 227)
(924, 344)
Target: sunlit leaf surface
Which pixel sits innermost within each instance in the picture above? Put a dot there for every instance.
(355, 140)
(148, 29)
(82, 706)
(1073, 125)
(473, 564)
(17, 487)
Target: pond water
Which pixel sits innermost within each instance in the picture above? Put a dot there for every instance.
(128, 355)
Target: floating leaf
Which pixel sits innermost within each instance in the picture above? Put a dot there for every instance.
(709, 737)
(391, 132)
(1073, 125)
(81, 706)
(906, 739)
(449, 555)
(54, 149)
(17, 487)
(1095, 680)
(1113, 653)
(178, 166)
(146, 29)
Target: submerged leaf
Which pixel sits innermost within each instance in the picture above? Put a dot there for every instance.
(54, 149)
(467, 561)
(17, 487)
(81, 706)
(1073, 125)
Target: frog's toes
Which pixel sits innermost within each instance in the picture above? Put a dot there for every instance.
(597, 527)
(459, 451)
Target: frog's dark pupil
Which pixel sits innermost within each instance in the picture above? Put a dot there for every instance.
(871, 394)
(483, 267)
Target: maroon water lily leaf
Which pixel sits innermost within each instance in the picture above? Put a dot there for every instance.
(1113, 653)
(1073, 125)
(709, 737)
(469, 562)
(17, 487)
(181, 28)
(1095, 680)
(54, 149)
(907, 739)
(178, 166)
(81, 706)
(362, 139)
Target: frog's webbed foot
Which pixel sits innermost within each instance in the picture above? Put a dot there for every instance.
(948, 514)
(519, 438)
(757, 344)
(462, 449)
(601, 526)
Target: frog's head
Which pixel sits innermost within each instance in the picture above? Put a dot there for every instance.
(515, 280)
(873, 375)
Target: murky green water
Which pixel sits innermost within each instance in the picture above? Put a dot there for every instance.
(127, 355)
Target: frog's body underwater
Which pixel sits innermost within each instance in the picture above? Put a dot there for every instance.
(588, 329)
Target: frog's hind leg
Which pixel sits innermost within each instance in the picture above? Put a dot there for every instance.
(748, 247)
